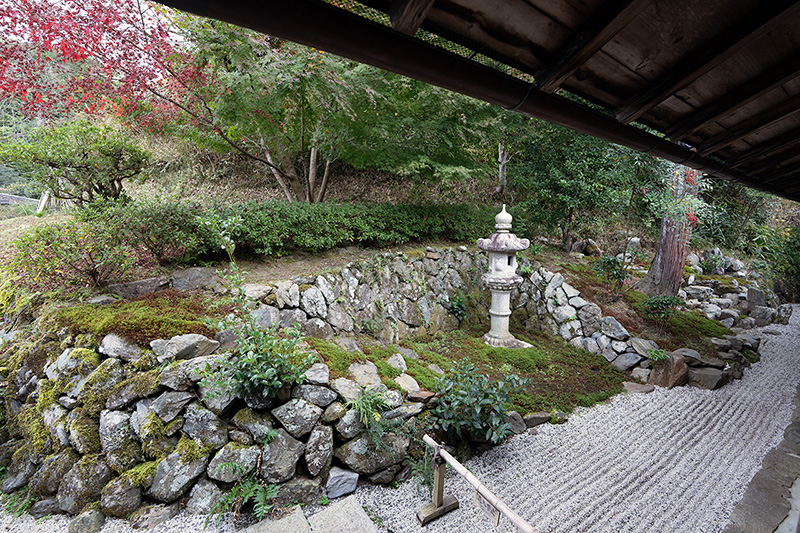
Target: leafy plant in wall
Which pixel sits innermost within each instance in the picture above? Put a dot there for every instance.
(263, 360)
(246, 490)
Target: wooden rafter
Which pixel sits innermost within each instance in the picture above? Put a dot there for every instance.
(751, 125)
(743, 95)
(778, 143)
(782, 174)
(710, 55)
(600, 28)
(767, 165)
(407, 15)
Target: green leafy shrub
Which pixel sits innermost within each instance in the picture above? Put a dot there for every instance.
(711, 262)
(612, 272)
(370, 407)
(661, 308)
(469, 405)
(458, 306)
(246, 490)
(656, 355)
(262, 361)
(70, 254)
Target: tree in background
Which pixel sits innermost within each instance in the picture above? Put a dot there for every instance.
(679, 217)
(80, 162)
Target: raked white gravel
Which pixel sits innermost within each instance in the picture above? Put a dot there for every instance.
(671, 461)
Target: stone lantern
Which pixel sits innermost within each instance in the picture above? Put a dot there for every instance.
(501, 279)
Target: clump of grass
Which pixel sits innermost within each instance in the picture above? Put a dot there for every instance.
(160, 315)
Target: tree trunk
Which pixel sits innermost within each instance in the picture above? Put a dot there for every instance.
(666, 271)
(566, 231)
(323, 188)
(502, 173)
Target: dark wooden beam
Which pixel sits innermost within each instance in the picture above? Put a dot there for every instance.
(751, 125)
(407, 15)
(772, 163)
(782, 173)
(706, 57)
(600, 28)
(780, 142)
(741, 96)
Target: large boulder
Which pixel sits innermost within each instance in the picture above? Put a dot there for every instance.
(135, 289)
(47, 479)
(671, 373)
(279, 458)
(364, 456)
(113, 345)
(244, 456)
(184, 347)
(707, 377)
(755, 298)
(206, 427)
(22, 468)
(197, 278)
(590, 316)
(319, 449)
(613, 329)
(120, 497)
(298, 416)
(763, 315)
(83, 484)
(176, 473)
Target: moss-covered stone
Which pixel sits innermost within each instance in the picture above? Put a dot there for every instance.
(99, 384)
(190, 450)
(147, 361)
(142, 474)
(84, 432)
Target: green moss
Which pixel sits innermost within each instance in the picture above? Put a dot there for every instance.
(304, 287)
(147, 361)
(160, 315)
(94, 506)
(191, 450)
(142, 474)
(142, 383)
(86, 429)
(84, 340)
(48, 395)
(97, 388)
(750, 355)
(154, 427)
(31, 426)
(415, 254)
(89, 359)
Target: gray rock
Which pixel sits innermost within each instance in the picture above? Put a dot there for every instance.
(244, 456)
(318, 395)
(206, 427)
(405, 411)
(347, 390)
(333, 412)
(113, 345)
(763, 315)
(83, 483)
(203, 497)
(183, 375)
(693, 358)
(279, 459)
(406, 382)
(435, 369)
(47, 479)
(89, 521)
(397, 361)
(707, 377)
(21, 470)
(755, 298)
(84, 432)
(120, 497)
(784, 314)
(287, 294)
(394, 398)
(256, 291)
(54, 418)
(564, 313)
(641, 346)
(341, 482)
(747, 323)
(139, 385)
(318, 374)
(170, 404)
(150, 516)
(313, 303)
(298, 416)
(577, 302)
(45, 507)
(289, 318)
(637, 388)
(197, 278)
(619, 346)
(627, 360)
(365, 373)
(590, 317)
(100, 382)
(640, 374)
(116, 436)
(319, 449)
(613, 329)
(385, 476)
(516, 422)
(671, 373)
(174, 475)
(135, 289)
(257, 425)
(299, 489)
(362, 455)
(339, 318)
(535, 419)
(185, 347)
(265, 316)
(699, 292)
(317, 328)
(350, 424)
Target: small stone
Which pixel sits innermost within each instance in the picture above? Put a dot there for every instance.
(316, 394)
(203, 497)
(420, 396)
(318, 374)
(365, 374)
(637, 388)
(319, 449)
(206, 427)
(535, 419)
(279, 458)
(244, 456)
(120, 497)
(298, 416)
(407, 383)
(113, 345)
(150, 516)
(333, 412)
(516, 422)
(347, 390)
(627, 360)
(397, 361)
(640, 374)
(403, 412)
(435, 369)
(350, 424)
(341, 482)
(89, 521)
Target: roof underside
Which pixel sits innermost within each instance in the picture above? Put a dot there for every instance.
(716, 84)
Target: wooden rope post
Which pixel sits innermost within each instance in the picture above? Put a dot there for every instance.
(442, 503)
(431, 511)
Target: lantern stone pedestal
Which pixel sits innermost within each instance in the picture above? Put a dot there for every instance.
(501, 279)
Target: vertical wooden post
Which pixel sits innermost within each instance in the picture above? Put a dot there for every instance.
(442, 503)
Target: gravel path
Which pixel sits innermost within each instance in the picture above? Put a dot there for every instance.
(670, 461)
(673, 460)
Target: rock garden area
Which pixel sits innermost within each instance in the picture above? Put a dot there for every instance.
(219, 397)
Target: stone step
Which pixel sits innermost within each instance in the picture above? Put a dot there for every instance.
(345, 515)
